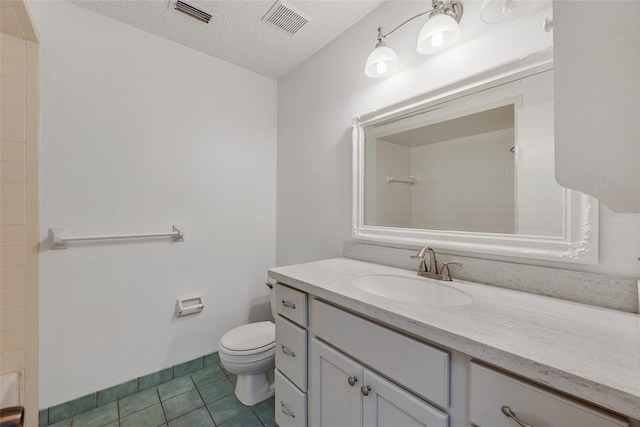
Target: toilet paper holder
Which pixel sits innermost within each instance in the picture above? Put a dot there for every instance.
(189, 305)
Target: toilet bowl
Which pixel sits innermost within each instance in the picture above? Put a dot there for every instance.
(248, 351)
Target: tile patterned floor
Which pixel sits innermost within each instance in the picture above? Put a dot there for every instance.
(203, 398)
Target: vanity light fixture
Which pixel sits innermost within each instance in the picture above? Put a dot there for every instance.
(499, 11)
(439, 32)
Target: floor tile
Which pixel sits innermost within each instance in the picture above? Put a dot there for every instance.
(43, 417)
(63, 423)
(149, 417)
(198, 418)
(246, 419)
(226, 408)
(175, 387)
(216, 390)
(188, 367)
(211, 359)
(182, 404)
(232, 378)
(155, 379)
(138, 401)
(266, 411)
(97, 417)
(119, 391)
(207, 375)
(113, 424)
(74, 407)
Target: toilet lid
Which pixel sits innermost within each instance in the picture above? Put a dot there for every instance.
(250, 337)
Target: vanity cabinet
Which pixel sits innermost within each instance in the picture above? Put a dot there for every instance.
(345, 393)
(337, 368)
(494, 392)
(356, 379)
(549, 361)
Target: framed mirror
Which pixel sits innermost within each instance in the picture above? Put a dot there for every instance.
(470, 167)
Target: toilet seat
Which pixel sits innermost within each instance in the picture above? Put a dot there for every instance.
(255, 339)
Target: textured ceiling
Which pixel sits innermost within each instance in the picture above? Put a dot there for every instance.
(236, 32)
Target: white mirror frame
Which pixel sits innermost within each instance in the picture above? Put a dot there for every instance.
(579, 242)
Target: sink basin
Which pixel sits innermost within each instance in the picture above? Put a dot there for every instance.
(418, 291)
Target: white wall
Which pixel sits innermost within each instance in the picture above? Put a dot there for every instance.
(317, 100)
(139, 133)
(466, 184)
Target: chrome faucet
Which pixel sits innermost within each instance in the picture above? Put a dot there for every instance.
(432, 270)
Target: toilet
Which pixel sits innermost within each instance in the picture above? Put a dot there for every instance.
(248, 351)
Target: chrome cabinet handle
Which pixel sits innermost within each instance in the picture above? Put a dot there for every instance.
(509, 413)
(286, 410)
(365, 389)
(352, 381)
(288, 351)
(288, 304)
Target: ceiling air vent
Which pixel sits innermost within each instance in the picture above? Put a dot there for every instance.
(192, 11)
(285, 18)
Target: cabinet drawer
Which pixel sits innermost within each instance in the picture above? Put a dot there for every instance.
(491, 390)
(291, 403)
(292, 304)
(417, 366)
(291, 351)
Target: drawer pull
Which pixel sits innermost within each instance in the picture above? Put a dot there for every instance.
(286, 410)
(288, 304)
(352, 381)
(509, 413)
(288, 351)
(269, 285)
(365, 390)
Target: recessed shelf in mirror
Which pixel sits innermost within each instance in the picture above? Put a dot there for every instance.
(472, 169)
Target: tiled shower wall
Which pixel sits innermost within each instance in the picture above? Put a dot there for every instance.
(464, 184)
(19, 236)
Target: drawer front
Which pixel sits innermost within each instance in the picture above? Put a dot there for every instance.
(291, 403)
(417, 366)
(291, 304)
(291, 351)
(491, 390)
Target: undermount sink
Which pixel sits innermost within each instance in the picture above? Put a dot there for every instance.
(418, 291)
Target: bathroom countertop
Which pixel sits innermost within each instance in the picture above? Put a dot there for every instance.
(588, 352)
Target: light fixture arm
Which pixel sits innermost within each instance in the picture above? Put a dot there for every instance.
(453, 9)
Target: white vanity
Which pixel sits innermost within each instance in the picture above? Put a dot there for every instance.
(346, 356)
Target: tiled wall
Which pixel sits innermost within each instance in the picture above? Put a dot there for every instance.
(19, 236)
(466, 184)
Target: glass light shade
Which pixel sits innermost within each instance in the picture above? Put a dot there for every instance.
(382, 62)
(439, 32)
(498, 11)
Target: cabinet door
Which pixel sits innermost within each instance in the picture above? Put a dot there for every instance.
(387, 405)
(334, 388)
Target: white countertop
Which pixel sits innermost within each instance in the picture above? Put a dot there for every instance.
(587, 352)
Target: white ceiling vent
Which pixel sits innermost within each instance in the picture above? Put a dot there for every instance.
(191, 10)
(285, 18)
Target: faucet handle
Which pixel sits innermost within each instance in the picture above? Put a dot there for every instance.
(445, 269)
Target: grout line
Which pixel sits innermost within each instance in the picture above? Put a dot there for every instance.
(118, 410)
(164, 414)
